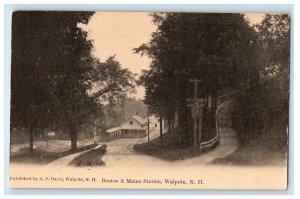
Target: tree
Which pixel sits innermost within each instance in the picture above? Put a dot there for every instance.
(274, 41)
(216, 48)
(50, 55)
(121, 112)
(265, 104)
(111, 83)
(56, 81)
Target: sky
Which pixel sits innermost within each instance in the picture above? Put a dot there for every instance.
(117, 33)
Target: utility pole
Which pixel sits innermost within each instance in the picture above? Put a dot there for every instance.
(196, 105)
(160, 131)
(195, 81)
(148, 127)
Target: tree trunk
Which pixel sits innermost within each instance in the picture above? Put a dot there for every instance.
(160, 131)
(214, 109)
(195, 133)
(183, 124)
(173, 123)
(31, 139)
(169, 124)
(95, 132)
(73, 138)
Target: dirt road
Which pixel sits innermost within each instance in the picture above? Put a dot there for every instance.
(120, 152)
(122, 162)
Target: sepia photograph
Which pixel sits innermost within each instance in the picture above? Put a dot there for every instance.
(149, 100)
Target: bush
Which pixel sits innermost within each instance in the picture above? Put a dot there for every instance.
(90, 158)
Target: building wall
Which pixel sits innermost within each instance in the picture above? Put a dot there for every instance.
(123, 134)
(132, 124)
(133, 133)
(115, 135)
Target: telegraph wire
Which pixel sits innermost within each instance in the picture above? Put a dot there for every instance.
(253, 85)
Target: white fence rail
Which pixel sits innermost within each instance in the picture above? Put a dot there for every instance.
(212, 142)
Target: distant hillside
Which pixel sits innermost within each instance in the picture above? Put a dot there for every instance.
(131, 106)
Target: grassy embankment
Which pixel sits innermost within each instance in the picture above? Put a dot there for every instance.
(171, 150)
(43, 157)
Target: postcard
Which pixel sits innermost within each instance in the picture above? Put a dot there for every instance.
(139, 100)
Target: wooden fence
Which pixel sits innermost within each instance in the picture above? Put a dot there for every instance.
(214, 141)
